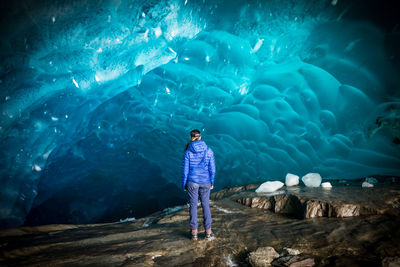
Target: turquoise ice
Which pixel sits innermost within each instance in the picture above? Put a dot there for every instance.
(102, 95)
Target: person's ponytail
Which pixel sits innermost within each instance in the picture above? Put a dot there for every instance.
(197, 138)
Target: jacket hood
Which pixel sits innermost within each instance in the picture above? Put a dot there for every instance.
(197, 146)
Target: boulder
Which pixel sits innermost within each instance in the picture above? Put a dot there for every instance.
(391, 262)
(263, 257)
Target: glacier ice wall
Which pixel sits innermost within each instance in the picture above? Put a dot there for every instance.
(97, 99)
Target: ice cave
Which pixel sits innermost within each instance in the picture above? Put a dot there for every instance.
(98, 98)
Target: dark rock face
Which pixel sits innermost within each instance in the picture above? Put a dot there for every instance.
(306, 205)
(286, 204)
(305, 208)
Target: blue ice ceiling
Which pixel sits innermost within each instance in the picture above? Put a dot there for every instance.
(98, 97)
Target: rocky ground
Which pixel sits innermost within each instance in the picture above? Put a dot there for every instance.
(298, 226)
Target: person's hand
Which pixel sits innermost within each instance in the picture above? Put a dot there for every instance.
(211, 187)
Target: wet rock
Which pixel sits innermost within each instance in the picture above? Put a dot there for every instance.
(305, 208)
(315, 209)
(285, 204)
(286, 260)
(303, 263)
(289, 251)
(229, 191)
(346, 210)
(324, 209)
(263, 257)
(256, 202)
(391, 262)
(288, 204)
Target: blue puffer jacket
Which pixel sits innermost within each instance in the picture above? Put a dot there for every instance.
(198, 164)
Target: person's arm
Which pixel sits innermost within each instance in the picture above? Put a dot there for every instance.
(211, 168)
(185, 169)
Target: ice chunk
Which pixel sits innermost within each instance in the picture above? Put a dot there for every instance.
(269, 187)
(291, 179)
(127, 220)
(326, 185)
(312, 179)
(37, 168)
(371, 180)
(366, 184)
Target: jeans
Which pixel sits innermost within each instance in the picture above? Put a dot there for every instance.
(194, 191)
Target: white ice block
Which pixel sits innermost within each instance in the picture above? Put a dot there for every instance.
(291, 179)
(312, 179)
(269, 187)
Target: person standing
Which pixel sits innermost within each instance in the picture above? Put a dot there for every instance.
(198, 173)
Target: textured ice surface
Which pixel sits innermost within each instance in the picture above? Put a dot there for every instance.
(269, 187)
(312, 179)
(291, 179)
(371, 180)
(97, 99)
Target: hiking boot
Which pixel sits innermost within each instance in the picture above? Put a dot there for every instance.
(194, 236)
(209, 235)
